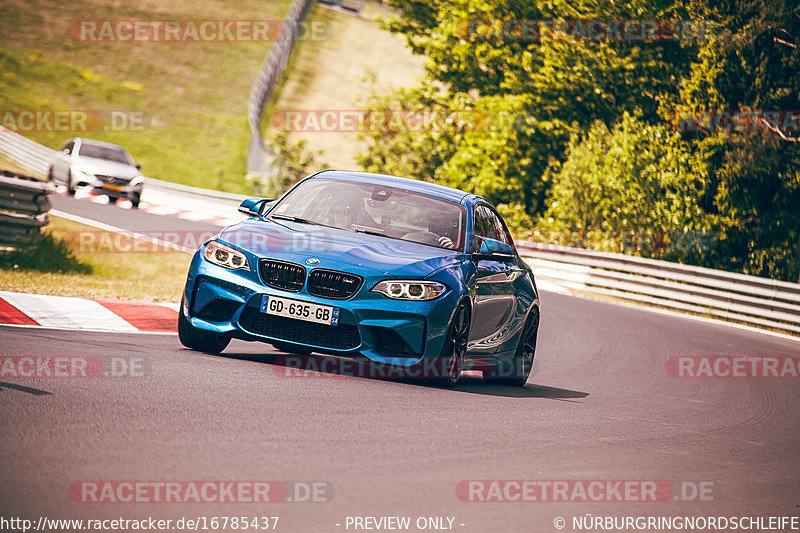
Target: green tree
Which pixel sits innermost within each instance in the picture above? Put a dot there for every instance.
(752, 66)
(635, 189)
(538, 90)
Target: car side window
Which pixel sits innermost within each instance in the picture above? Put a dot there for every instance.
(68, 147)
(489, 225)
(485, 225)
(500, 228)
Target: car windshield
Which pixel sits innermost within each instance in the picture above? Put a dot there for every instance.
(109, 153)
(375, 209)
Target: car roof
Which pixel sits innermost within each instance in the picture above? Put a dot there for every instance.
(98, 143)
(413, 185)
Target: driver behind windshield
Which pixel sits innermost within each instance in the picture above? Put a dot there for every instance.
(445, 225)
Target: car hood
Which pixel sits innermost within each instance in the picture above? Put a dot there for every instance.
(337, 249)
(105, 168)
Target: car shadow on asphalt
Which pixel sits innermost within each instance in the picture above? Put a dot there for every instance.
(319, 366)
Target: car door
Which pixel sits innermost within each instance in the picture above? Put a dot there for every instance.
(62, 160)
(494, 301)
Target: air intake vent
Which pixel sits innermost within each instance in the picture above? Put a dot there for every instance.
(280, 275)
(341, 337)
(219, 310)
(332, 284)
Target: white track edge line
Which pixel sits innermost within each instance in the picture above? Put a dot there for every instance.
(90, 330)
(114, 229)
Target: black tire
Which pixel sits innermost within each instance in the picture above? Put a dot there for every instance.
(517, 371)
(454, 351)
(197, 339)
(70, 188)
(112, 199)
(135, 202)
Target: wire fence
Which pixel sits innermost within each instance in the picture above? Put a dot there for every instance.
(260, 158)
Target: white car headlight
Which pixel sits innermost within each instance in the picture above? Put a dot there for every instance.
(410, 289)
(136, 181)
(225, 256)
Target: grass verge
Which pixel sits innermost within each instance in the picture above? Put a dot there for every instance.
(337, 74)
(139, 276)
(193, 95)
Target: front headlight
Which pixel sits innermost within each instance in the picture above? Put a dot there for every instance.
(410, 289)
(225, 256)
(136, 181)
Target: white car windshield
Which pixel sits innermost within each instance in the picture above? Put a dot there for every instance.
(108, 153)
(376, 209)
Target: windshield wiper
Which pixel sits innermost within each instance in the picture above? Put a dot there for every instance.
(297, 219)
(370, 232)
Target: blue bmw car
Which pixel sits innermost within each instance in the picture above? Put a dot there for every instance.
(404, 272)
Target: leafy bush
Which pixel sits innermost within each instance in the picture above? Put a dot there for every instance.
(634, 189)
(292, 163)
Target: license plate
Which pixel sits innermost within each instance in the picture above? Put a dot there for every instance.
(117, 188)
(321, 314)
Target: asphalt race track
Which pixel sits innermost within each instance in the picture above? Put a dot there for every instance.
(128, 219)
(601, 406)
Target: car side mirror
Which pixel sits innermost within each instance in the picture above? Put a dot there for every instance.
(492, 250)
(65, 151)
(138, 166)
(254, 207)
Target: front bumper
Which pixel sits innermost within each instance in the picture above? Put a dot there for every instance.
(394, 332)
(129, 192)
(113, 190)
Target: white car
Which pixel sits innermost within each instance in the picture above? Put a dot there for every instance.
(104, 167)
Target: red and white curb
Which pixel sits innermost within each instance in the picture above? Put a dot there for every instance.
(62, 312)
(156, 209)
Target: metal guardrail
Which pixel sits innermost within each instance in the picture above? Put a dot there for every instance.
(259, 156)
(37, 158)
(750, 300)
(228, 198)
(27, 153)
(23, 207)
